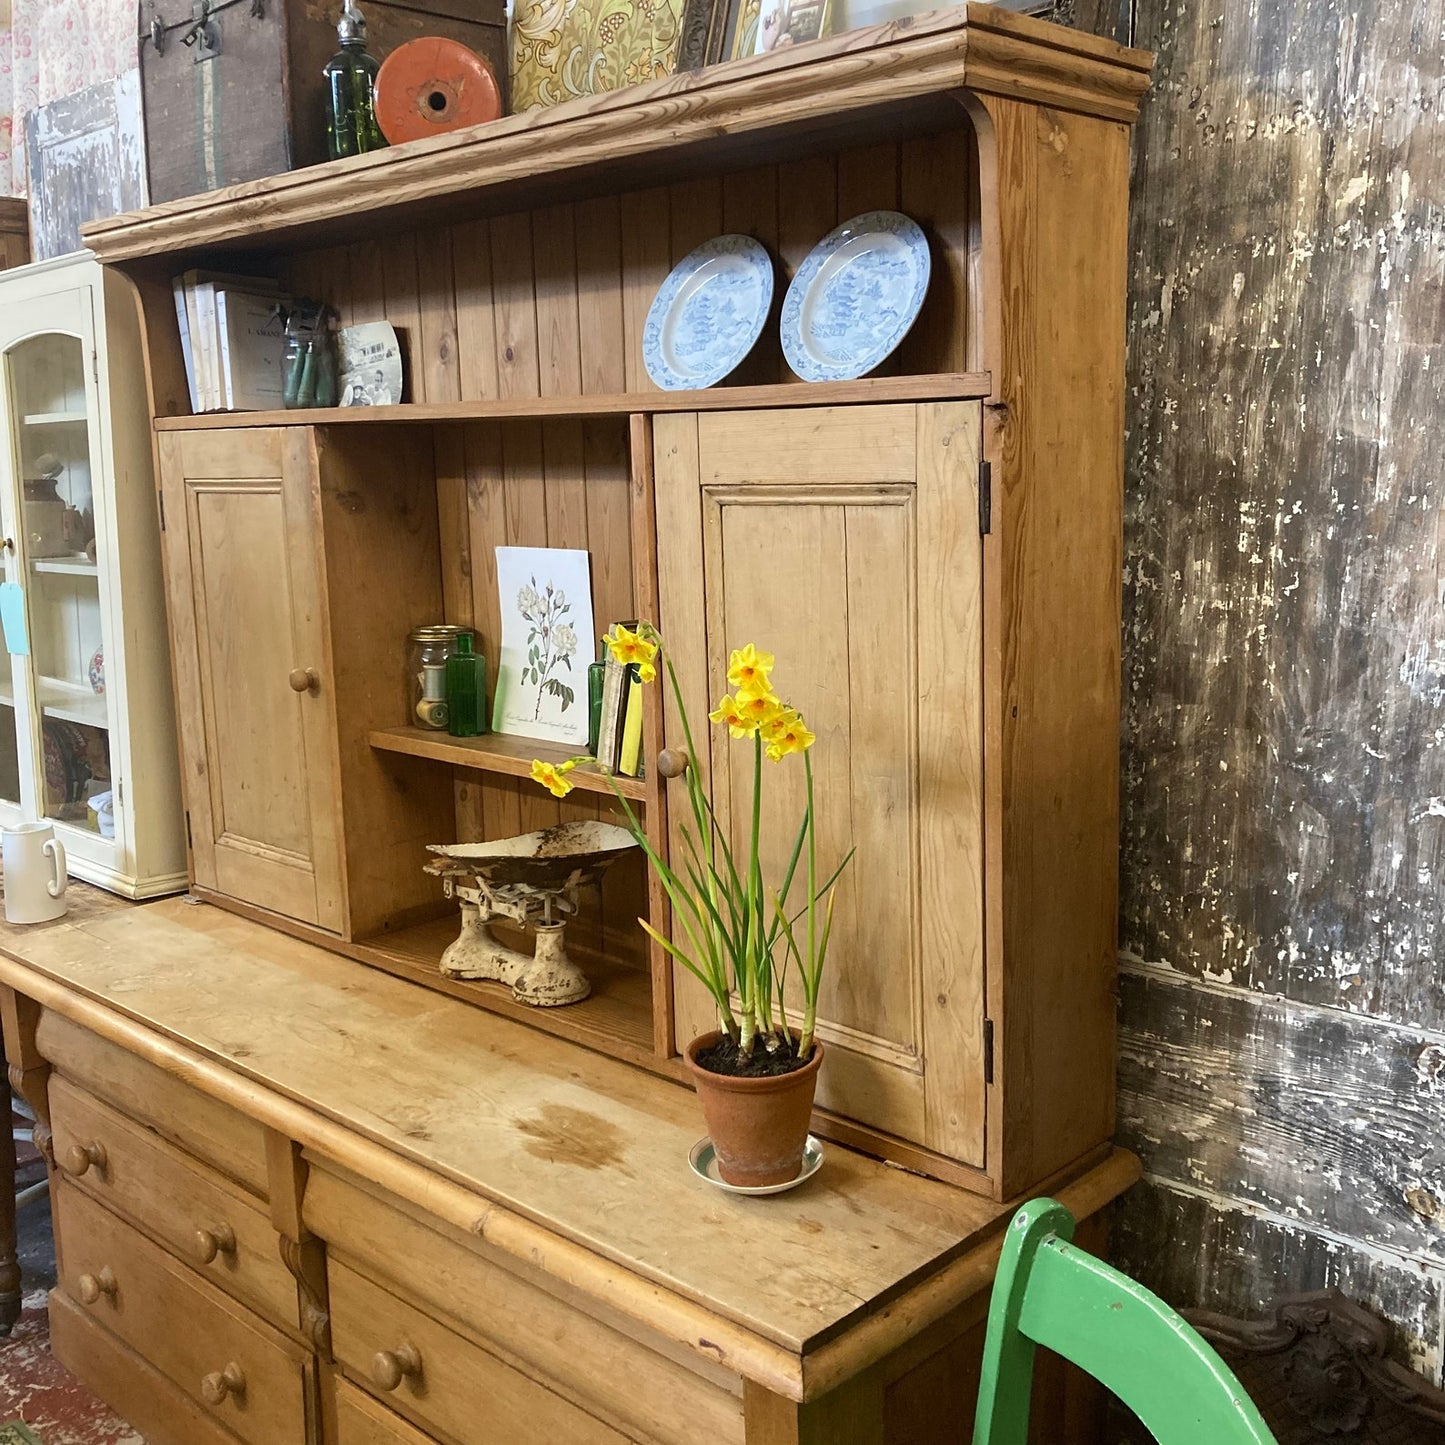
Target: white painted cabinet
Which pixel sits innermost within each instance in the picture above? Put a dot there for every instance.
(87, 723)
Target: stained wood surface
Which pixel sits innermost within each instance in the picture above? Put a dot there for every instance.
(497, 753)
(592, 1151)
(133, 1387)
(173, 1198)
(864, 520)
(551, 303)
(14, 232)
(600, 1360)
(889, 65)
(244, 572)
(1055, 185)
(588, 402)
(154, 1293)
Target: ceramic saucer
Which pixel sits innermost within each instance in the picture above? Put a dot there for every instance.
(704, 1164)
(855, 297)
(708, 314)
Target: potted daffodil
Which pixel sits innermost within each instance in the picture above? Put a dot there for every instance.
(740, 934)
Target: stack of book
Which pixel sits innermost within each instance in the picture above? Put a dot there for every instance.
(233, 339)
(619, 721)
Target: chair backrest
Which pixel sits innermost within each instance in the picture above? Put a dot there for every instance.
(1049, 1293)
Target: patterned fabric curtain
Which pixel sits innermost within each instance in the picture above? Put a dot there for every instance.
(51, 48)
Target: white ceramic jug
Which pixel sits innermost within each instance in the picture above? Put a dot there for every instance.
(34, 873)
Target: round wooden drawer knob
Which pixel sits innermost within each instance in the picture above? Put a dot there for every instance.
(303, 679)
(92, 1286)
(390, 1367)
(213, 1242)
(673, 762)
(220, 1384)
(81, 1158)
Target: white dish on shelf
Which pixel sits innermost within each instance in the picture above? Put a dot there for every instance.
(703, 1159)
(855, 297)
(708, 314)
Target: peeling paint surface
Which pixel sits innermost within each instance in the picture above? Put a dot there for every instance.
(1285, 635)
(1282, 1015)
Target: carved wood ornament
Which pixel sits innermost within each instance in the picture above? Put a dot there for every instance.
(1318, 1368)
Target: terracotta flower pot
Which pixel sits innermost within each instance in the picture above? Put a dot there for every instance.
(758, 1126)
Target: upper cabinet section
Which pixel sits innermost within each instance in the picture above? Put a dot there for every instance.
(881, 83)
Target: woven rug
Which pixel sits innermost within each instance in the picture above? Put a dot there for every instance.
(18, 1434)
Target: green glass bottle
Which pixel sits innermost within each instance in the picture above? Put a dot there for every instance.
(350, 76)
(466, 690)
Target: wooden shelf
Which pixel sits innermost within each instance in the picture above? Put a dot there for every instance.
(56, 418)
(948, 386)
(498, 753)
(67, 701)
(615, 1017)
(77, 566)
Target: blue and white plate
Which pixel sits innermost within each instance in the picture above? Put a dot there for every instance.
(708, 314)
(855, 297)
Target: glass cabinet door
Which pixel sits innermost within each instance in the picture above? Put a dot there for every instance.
(52, 553)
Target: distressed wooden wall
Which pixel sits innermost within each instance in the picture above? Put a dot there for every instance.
(1282, 1065)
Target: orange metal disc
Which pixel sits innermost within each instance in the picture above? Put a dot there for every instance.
(432, 85)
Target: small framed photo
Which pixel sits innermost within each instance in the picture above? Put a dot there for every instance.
(755, 27)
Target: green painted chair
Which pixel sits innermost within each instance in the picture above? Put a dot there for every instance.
(1049, 1293)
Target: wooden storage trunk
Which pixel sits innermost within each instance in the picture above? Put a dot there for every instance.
(256, 107)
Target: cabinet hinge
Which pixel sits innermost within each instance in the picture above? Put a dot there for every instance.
(188, 828)
(985, 498)
(95, 366)
(988, 1051)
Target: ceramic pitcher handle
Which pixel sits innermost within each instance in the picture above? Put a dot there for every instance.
(54, 849)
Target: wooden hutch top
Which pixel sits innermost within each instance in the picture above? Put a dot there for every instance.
(882, 82)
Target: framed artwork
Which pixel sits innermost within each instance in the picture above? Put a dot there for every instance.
(565, 48)
(547, 643)
(754, 27)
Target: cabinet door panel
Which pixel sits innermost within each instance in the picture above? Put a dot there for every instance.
(846, 542)
(244, 575)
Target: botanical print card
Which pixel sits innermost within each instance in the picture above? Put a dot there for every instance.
(547, 642)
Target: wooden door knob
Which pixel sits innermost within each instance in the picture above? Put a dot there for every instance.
(220, 1384)
(390, 1367)
(91, 1286)
(303, 679)
(213, 1242)
(673, 762)
(81, 1158)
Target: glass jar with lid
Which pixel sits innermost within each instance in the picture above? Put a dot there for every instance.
(427, 651)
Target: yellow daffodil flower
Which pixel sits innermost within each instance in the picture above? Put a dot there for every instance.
(646, 672)
(628, 646)
(749, 669)
(787, 733)
(553, 776)
(758, 709)
(729, 714)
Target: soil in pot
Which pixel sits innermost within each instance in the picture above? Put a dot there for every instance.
(725, 1057)
(758, 1121)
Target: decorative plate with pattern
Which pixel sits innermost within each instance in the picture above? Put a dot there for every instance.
(855, 297)
(708, 314)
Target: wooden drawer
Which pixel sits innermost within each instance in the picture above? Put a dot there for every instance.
(181, 1203)
(188, 1330)
(443, 1380)
(136, 1391)
(612, 1366)
(200, 1124)
(360, 1420)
